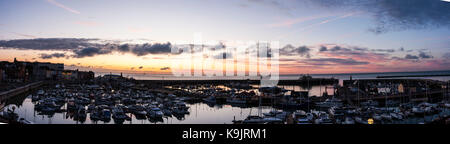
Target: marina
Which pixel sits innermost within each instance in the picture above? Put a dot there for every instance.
(127, 101)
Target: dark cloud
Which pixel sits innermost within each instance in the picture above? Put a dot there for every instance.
(49, 43)
(342, 50)
(223, 56)
(360, 49)
(395, 15)
(425, 56)
(53, 55)
(339, 48)
(384, 50)
(165, 68)
(408, 56)
(333, 61)
(90, 51)
(141, 67)
(290, 50)
(422, 55)
(124, 48)
(323, 48)
(157, 48)
(446, 56)
(86, 47)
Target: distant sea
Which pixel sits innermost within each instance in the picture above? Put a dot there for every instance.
(342, 76)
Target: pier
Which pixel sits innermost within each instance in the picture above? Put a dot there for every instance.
(14, 92)
(312, 81)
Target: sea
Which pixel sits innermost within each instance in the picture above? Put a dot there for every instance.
(340, 76)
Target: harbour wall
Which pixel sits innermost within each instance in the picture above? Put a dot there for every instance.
(14, 92)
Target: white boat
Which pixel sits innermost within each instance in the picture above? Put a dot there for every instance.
(179, 111)
(272, 113)
(360, 120)
(370, 103)
(396, 116)
(330, 103)
(155, 113)
(236, 101)
(386, 116)
(40, 92)
(301, 117)
(349, 120)
(254, 120)
(272, 120)
(24, 121)
(418, 110)
(377, 117)
(323, 118)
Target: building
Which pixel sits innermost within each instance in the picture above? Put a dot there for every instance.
(77, 75)
(2, 74)
(46, 71)
(19, 71)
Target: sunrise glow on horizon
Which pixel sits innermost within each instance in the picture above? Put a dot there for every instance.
(314, 38)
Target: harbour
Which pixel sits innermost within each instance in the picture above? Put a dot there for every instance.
(126, 101)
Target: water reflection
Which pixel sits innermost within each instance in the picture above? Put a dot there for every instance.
(200, 113)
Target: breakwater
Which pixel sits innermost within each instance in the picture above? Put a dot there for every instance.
(11, 93)
(312, 81)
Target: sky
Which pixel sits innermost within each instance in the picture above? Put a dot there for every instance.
(314, 36)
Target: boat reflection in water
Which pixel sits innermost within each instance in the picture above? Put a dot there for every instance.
(207, 104)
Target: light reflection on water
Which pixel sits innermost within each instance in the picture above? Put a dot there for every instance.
(200, 113)
(341, 77)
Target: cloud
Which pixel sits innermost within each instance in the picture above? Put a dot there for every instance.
(89, 52)
(165, 68)
(290, 22)
(272, 3)
(156, 48)
(49, 43)
(308, 27)
(24, 35)
(53, 55)
(339, 48)
(422, 55)
(396, 15)
(323, 48)
(384, 50)
(141, 67)
(425, 56)
(446, 56)
(124, 48)
(354, 52)
(224, 55)
(408, 56)
(63, 6)
(334, 61)
(290, 50)
(87, 47)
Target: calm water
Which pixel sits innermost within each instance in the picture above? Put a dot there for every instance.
(341, 77)
(200, 113)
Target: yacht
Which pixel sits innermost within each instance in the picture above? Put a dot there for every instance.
(329, 103)
(155, 113)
